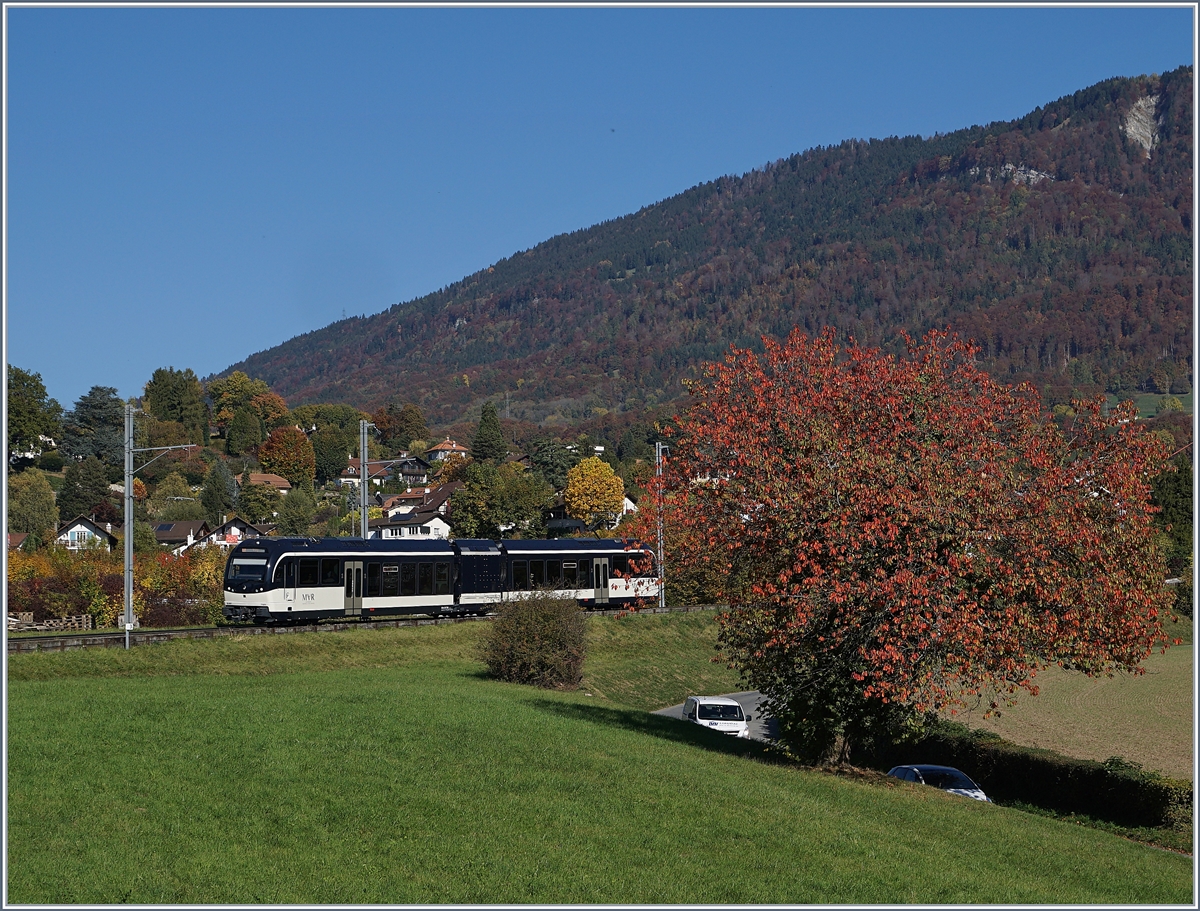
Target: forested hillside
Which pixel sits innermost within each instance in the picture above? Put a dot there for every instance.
(1060, 242)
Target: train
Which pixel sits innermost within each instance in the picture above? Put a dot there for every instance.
(295, 580)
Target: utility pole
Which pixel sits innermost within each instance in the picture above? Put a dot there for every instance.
(659, 450)
(128, 523)
(129, 451)
(363, 474)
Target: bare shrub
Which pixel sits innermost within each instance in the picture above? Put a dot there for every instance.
(538, 640)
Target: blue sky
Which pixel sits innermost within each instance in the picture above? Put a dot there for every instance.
(188, 186)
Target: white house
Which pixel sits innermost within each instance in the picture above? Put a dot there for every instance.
(427, 524)
(231, 533)
(81, 533)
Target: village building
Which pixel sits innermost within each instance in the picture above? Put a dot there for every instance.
(83, 533)
(232, 532)
(424, 524)
(406, 469)
(179, 536)
(445, 448)
(271, 480)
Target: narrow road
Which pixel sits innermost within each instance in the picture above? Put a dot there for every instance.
(761, 726)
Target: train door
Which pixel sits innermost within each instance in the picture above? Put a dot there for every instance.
(353, 570)
(289, 582)
(601, 570)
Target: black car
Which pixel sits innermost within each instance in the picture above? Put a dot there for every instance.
(940, 776)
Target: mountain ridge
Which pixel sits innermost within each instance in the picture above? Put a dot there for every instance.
(1060, 242)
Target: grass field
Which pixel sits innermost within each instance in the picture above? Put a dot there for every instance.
(1147, 719)
(1147, 403)
(384, 767)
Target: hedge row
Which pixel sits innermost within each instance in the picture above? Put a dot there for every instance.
(53, 582)
(1115, 791)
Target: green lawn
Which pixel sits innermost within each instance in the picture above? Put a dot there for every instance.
(384, 767)
(1147, 403)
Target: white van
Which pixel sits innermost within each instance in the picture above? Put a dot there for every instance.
(719, 713)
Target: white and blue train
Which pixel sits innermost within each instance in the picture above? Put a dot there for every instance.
(290, 580)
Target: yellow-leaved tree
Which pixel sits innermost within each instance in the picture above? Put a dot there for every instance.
(594, 494)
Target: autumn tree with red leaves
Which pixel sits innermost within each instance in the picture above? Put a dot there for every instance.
(289, 454)
(898, 536)
(270, 408)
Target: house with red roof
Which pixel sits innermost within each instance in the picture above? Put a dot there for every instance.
(271, 480)
(443, 449)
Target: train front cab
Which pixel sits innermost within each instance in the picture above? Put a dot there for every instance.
(248, 590)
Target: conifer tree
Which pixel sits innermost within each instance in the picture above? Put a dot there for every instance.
(331, 452)
(489, 445)
(85, 487)
(96, 427)
(176, 395)
(219, 493)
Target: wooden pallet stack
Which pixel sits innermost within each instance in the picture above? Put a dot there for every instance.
(24, 621)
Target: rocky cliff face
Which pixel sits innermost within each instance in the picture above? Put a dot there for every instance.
(1141, 125)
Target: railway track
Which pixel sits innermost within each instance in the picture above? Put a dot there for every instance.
(61, 642)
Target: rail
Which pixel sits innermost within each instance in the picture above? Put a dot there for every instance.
(146, 636)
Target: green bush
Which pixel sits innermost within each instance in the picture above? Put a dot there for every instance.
(1115, 790)
(539, 640)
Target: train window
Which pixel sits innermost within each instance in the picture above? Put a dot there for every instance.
(331, 571)
(309, 571)
(424, 578)
(520, 575)
(246, 569)
(620, 566)
(554, 572)
(285, 573)
(391, 580)
(585, 574)
(570, 575)
(441, 578)
(408, 578)
(372, 580)
(537, 573)
(349, 582)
